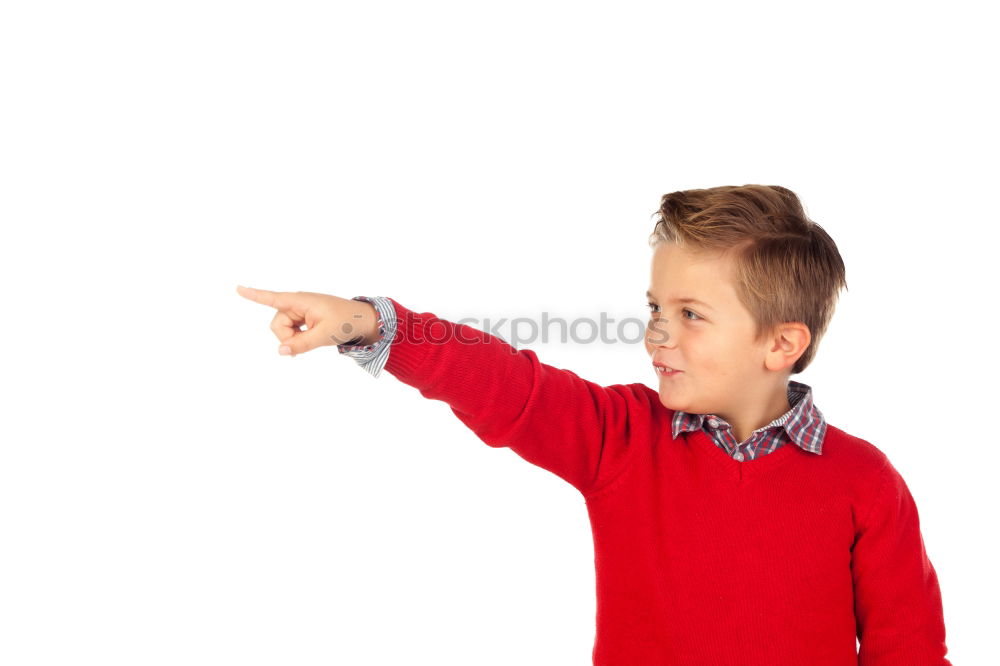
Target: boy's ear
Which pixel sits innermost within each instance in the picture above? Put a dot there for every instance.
(788, 343)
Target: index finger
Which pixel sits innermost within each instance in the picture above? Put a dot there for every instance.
(275, 299)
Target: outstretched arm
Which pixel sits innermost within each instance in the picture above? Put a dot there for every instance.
(549, 416)
(578, 430)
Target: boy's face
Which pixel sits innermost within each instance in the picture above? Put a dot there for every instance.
(721, 367)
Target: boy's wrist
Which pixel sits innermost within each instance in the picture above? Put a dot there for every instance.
(365, 323)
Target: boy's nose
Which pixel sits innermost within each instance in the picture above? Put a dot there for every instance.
(658, 334)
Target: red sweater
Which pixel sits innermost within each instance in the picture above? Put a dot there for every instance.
(700, 559)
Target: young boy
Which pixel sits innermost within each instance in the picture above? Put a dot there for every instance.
(732, 524)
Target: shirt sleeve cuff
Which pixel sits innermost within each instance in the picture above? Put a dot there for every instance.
(373, 357)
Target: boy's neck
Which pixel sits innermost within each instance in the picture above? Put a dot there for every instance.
(758, 416)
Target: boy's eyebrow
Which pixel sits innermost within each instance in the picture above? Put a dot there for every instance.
(649, 294)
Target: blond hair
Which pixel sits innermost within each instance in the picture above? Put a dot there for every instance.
(786, 267)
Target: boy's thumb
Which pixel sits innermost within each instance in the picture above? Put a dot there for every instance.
(301, 342)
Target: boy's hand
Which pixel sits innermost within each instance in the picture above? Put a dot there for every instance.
(329, 320)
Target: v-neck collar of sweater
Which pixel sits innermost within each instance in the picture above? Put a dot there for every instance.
(740, 470)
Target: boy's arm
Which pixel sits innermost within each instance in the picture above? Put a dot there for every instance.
(897, 600)
(552, 418)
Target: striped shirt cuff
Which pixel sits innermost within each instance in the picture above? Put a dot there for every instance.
(373, 357)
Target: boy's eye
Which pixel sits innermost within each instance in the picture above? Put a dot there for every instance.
(655, 308)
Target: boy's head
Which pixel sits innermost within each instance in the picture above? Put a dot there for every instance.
(769, 279)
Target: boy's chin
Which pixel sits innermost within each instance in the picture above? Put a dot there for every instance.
(674, 402)
(671, 401)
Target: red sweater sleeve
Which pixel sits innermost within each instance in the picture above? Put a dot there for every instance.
(897, 600)
(552, 418)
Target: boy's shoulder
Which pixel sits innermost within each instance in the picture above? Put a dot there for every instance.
(840, 443)
(857, 463)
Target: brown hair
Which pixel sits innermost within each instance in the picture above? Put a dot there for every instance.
(787, 268)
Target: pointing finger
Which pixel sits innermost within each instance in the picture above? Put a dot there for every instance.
(274, 299)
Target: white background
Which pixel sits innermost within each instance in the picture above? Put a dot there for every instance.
(174, 491)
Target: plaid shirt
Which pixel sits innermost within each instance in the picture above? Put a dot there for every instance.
(803, 424)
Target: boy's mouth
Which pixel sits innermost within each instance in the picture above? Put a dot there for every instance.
(665, 370)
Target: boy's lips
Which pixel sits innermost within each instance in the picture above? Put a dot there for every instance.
(664, 369)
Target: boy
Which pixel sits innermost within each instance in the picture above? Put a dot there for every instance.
(731, 523)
